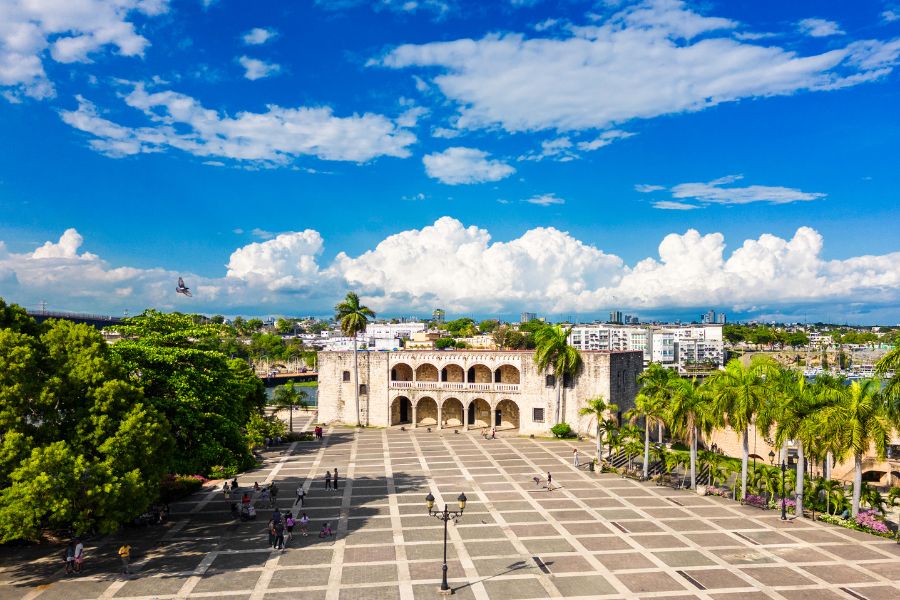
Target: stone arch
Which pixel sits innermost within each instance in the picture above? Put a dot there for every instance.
(452, 413)
(479, 413)
(401, 372)
(506, 415)
(479, 374)
(426, 372)
(426, 411)
(401, 411)
(507, 374)
(453, 373)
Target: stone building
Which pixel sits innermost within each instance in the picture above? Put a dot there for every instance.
(469, 389)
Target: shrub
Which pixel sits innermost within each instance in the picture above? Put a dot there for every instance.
(866, 521)
(679, 446)
(722, 492)
(298, 436)
(562, 430)
(174, 487)
(754, 500)
(222, 472)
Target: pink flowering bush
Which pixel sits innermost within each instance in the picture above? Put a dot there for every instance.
(718, 491)
(757, 501)
(868, 520)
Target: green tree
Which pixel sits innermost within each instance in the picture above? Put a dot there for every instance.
(553, 351)
(488, 325)
(254, 325)
(353, 318)
(890, 362)
(859, 421)
(285, 326)
(596, 408)
(739, 393)
(288, 396)
(650, 403)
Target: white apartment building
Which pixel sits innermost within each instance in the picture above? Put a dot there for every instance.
(685, 348)
(390, 331)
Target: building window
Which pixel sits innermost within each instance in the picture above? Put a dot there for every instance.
(362, 389)
(346, 375)
(568, 381)
(537, 415)
(550, 381)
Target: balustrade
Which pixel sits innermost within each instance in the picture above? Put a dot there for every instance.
(455, 386)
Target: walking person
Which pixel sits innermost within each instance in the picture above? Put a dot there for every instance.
(279, 535)
(327, 480)
(549, 482)
(575, 459)
(270, 529)
(334, 485)
(125, 557)
(301, 493)
(79, 555)
(225, 489)
(289, 525)
(304, 524)
(70, 557)
(273, 492)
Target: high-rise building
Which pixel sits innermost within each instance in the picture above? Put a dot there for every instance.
(709, 317)
(721, 319)
(525, 317)
(615, 316)
(438, 315)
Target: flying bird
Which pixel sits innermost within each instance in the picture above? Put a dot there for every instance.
(183, 289)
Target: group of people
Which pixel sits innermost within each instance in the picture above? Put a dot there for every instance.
(280, 524)
(489, 435)
(275, 441)
(331, 481)
(318, 432)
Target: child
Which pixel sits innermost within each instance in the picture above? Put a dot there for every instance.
(289, 524)
(70, 558)
(125, 555)
(326, 531)
(304, 524)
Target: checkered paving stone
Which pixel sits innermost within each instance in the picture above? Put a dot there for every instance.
(593, 536)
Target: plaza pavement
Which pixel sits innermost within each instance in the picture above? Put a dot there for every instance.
(597, 536)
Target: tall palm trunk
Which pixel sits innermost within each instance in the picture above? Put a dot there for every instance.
(801, 469)
(599, 441)
(659, 431)
(828, 465)
(857, 483)
(646, 447)
(745, 459)
(694, 460)
(291, 418)
(356, 374)
(558, 402)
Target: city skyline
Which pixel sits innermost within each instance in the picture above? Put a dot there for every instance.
(565, 158)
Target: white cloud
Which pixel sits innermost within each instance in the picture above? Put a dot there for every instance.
(714, 192)
(459, 165)
(605, 139)
(70, 31)
(258, 69)
(819, 27)
(262, 233)
(276, 136)
(439, 8)
(651, 59)
(670, 205)
(258, 36)
(890, 15)
(646, 188)
(463, 269)
(445, 133)
(545, 200)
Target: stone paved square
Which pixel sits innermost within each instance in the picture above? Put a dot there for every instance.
(597, 536)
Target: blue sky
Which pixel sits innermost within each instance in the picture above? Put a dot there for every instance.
(562, 157)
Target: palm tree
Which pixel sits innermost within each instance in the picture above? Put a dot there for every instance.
(610, 430)
(654, 382)
(739, 393)
(891, 362)
(353, 318)
(834, 493)
(597, 408)
(797, 406)
(859, 421)
(552, 349)
(288, 396)
(688, 415)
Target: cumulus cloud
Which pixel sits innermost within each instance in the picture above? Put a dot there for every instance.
(258, 69)
(719, 191)
(258, 36)
(459, 165)
(654, 58)
(890, 15)
(819, 27)
(70, 31)
(277, 136)
(464, 270)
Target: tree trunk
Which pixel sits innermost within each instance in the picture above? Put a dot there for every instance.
(694, 460)
(291, 417)
(745, 458)
(599, 442)
(356, 373)
(828, 465)
(659, 431)
(801, 468)
(558, 402)
(646, 447)
(857, 483)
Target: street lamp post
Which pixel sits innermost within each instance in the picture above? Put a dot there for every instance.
(445, 516)
(783, 505)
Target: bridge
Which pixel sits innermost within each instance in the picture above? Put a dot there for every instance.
(274, 378)
(97, 321)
